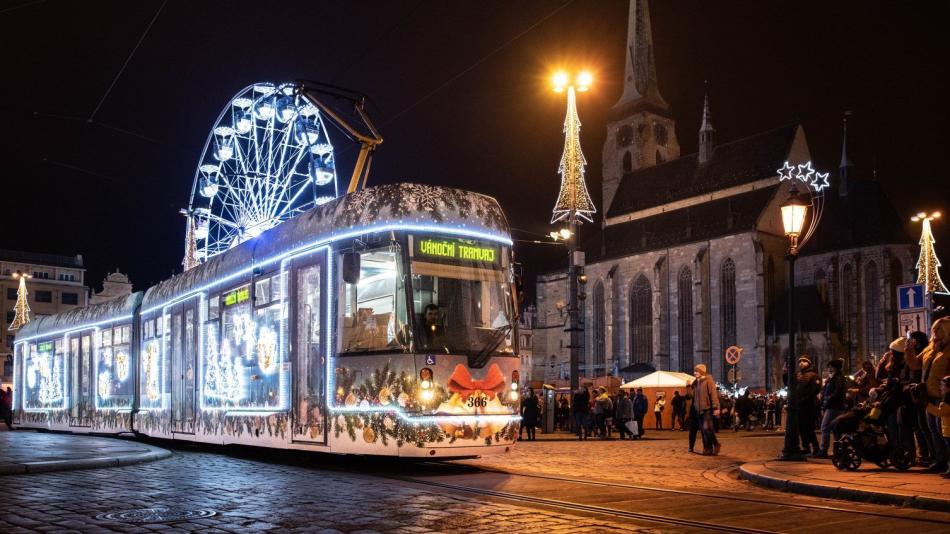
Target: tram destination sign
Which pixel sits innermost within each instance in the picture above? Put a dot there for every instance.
(455, 250)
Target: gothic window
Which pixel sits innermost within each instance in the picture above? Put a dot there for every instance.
(616, 334)
(641, 321)
(872, 288)
(769, 282)
(599, 330)
(727, 303)
(897, 278)
(821, 284)
(848, 317)
(627, 162)
(684, 292)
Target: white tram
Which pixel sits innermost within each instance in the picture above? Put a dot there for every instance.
(378, 323)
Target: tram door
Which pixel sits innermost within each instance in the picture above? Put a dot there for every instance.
(184, 340)
(80, 387)
(307, 348)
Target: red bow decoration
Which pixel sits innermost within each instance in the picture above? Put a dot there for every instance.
(461, 382)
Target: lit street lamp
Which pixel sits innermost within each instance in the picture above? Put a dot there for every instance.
(798, 228)
(573, 204)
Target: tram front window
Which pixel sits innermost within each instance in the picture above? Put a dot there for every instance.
(462, 308)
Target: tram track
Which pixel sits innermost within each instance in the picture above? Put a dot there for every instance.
(686, 509)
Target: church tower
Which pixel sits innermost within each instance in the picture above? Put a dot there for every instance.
(641, 132)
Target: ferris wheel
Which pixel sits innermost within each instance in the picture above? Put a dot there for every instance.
(267, 158)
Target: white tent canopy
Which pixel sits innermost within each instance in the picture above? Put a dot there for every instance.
(660, 379)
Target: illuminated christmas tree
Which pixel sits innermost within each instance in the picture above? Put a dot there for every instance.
(928, 264)
(22, 307)
(573, 197)
(191, 253)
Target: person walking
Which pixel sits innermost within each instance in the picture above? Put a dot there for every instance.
(640, 411)
(706, 401)
(935, 364)
(658, 407)
(743, 409)
(832, 402)
(808, 388)
(529, 414)
(693, 420)
(580, 408)
(623, 414)
(770, 412)
(602, 407)
(916, 342)
(678, 404)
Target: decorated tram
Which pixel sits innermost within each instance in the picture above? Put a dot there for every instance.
(381, 322)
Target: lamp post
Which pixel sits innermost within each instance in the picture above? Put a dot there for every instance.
(798, 227)
(573, 204)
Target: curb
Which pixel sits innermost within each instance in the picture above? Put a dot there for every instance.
(848, 493)
(24, 468)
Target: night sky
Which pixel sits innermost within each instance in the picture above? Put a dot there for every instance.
(459, 89)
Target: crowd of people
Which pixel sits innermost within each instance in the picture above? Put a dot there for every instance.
(907, 392)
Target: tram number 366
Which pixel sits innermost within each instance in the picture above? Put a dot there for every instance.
(478, 401)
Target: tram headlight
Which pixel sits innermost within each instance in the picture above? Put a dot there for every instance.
(513, 395)
(427, 395)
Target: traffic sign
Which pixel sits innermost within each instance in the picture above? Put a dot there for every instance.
(911, 297)
(913, 321)
(733, 354)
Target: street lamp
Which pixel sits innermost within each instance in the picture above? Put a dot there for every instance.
(798, 229)
(573, 204)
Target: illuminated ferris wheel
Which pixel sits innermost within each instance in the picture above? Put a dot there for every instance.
(267, 158)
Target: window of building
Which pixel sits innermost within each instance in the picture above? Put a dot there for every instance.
(41, 275)
(684, 293)
(821, 284)
(872, 288)
(11, 339)
(896, 279)
(10, 315)
(71, 298)
(641, 321)
(67, 277)
(599, 331)
(616, 333)
(43, 296)
(727, 303)
(627, 162)
(11, 293)
(849, 318)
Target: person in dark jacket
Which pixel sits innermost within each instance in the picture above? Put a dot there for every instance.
(623, 413)
(808, 387)
(744, 408)
(580, 408)
(833, 404)
(679, 410)
(529, 414)
(639, 410)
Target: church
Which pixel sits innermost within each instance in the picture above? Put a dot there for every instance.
(690, 255)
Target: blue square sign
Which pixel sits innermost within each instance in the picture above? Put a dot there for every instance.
(911, 297)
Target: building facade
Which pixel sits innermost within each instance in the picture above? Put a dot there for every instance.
(114, 286)
(56, 284)
(690, 257)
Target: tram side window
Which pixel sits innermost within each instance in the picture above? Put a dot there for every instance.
(374, 309)
(113, 366)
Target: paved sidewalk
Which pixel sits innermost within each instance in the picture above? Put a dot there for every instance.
(25, 451)
(650, 435)
(868, 484)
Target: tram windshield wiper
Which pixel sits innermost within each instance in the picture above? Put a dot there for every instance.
(481, 358)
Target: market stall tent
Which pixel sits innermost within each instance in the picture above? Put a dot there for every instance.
(660, 383)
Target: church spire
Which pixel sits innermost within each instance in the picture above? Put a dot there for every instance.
(640, 71)
(846, 168)
(707, 134)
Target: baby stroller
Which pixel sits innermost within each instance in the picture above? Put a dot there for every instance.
(865, 437)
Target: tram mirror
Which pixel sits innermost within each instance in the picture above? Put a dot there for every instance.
(351, 267)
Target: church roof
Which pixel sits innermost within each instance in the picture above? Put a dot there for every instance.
(699, 222)
(738, 162)
(863, 218)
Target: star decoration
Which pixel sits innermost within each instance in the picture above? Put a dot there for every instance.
(805, 172)
(820, 181)
(785, 173)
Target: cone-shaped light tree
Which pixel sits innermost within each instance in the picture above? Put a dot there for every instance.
(928, 264)
(21, 310)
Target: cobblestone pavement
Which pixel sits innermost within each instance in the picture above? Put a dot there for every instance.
(663, 462)
(252, 496)
(25, 450)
